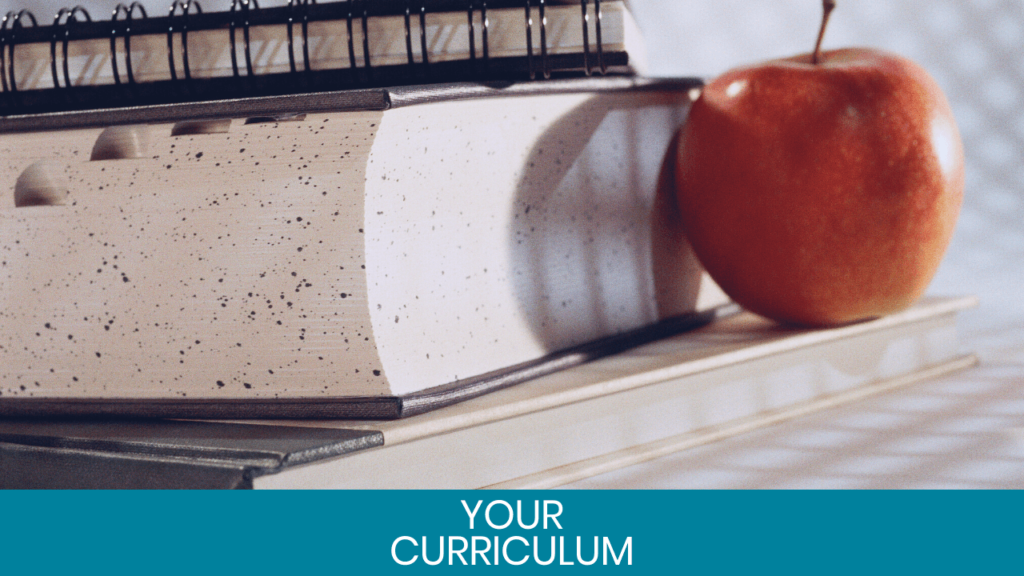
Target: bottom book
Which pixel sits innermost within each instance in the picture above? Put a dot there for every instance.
(737, 374)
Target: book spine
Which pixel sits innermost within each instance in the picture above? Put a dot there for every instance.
(117, 80)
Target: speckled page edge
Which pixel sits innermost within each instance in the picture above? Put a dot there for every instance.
(361, 407)
(354, 407)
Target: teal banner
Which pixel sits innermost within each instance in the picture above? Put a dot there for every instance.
(284, 533)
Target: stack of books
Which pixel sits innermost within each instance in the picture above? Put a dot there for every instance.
(383, 245)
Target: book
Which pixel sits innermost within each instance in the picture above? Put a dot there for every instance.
(77, 62)
(727, 378)
(314, 256)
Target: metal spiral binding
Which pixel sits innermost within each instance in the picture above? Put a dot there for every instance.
(408, 32)
(544, 43)
(545, 64)
(128, 19)
(3, 50)
(423, 33)
(15, 24)
(472, 32)
(244, 11)
(351, 42)
(128, 11)
(351, 38)
(586, 38)
(68, 16)
(487, 26)
(529, 41)
(185, 8)
(601, 64)
(10, 85)
(366, 36)
(292, 4)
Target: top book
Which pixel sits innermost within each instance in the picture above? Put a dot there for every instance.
(77, 62)
(324, 261)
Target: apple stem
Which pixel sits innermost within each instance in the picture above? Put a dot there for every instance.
(828, 6)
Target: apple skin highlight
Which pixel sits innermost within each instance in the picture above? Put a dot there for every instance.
(821, 194)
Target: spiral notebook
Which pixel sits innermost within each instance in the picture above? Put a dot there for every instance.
(80, 61)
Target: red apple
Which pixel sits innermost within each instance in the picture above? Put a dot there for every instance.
(821, 193)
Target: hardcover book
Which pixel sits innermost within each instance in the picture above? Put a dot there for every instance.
(368, 252)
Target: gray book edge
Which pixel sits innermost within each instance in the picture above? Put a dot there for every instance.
(136, 454)
(334, 101)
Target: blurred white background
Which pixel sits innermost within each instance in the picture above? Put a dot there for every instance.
(975, 50)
